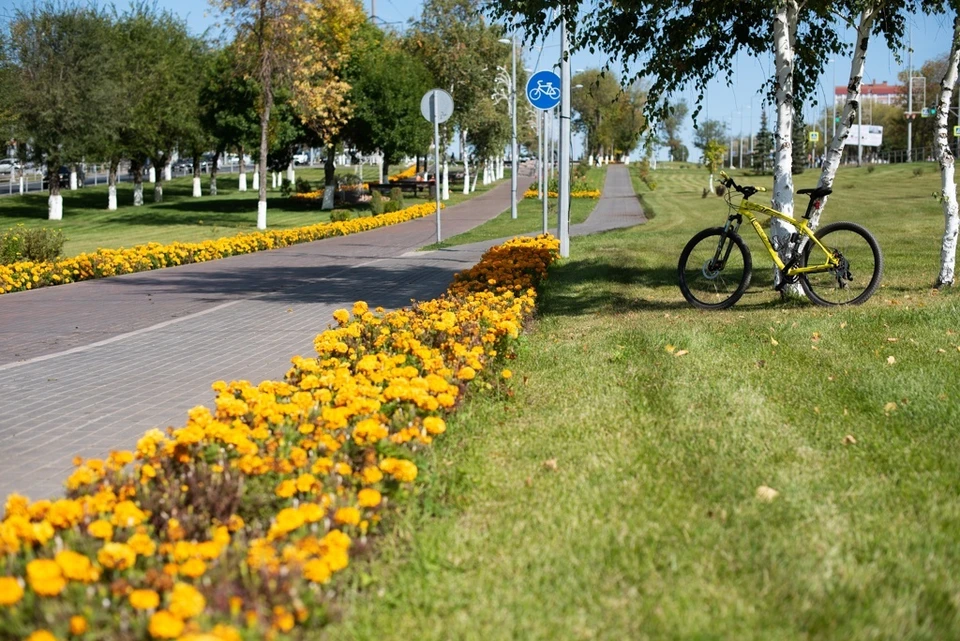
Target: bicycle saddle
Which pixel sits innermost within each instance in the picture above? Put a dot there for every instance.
(816, 193)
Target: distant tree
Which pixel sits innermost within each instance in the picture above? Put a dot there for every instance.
(763, 148)
(609, 116)
(670, 127)
(709, 137)
(713, 155)
(59, 53)
(798, 149)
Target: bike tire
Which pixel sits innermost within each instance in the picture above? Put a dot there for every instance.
(862, 253)
(703, 285)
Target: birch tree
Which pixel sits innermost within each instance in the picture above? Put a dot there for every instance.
(948, 185)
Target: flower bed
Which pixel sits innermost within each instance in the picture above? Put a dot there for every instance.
(587, 193)
(318, 193)
(232, 526)
(111, 262)
(409, 172)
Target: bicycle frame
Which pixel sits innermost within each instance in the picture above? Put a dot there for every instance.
(746, 208)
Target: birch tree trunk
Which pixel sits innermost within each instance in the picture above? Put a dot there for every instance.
(73, 177)
(948, 185)
(262, 165)
(214, 166)
(136, 168)
(242, 171)
(197, 191)
(832, 162)
(445, 194)
(784, 28)
(466, 161)
(329, 180)
(55, 200)
(112, 185)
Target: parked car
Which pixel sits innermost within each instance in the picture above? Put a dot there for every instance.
(183, 165)
(8, 165)
(301, 158)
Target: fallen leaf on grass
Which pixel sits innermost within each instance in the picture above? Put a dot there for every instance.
(941, 351)
(843, 324)
(682, 352)
(892, 339)
(849, 440)
(550, 464)
(890, 407)
(529, 482)
(767, 494)
(669, 348)
(815, 337)
(891, 360)
(774, 341)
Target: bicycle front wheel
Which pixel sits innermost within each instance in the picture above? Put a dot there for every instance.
(858, 275)
(715, 269)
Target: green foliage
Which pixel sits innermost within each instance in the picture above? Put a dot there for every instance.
(339, 215)
(871, 169)
(303, 185)
(396, 195)
(669, 131)
(798, 144)
(609, 115)
(709, 131)
(286, 188)
(917, 172)
(763, 147)
(713, 154)
(37, 244)
(376, 203)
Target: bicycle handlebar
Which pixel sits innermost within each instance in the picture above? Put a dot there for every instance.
(746, 190)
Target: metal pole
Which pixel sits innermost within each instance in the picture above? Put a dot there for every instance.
(859, 134)
(436, 159)
(563, 217)
(834, 101)
(910, 94)
(731, 141)
(740, 141)
(515, 166)
(543, 174)
(540, 155)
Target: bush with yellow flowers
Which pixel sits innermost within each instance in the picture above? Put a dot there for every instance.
(112, 262)
(409, 172)
(583, 193)
(235, 525)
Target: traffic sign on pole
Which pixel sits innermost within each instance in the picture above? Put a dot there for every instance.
(956, 131)
(543, 90)
(813, 136)
(436, 106)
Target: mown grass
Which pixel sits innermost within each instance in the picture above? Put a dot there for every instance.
(88, 225)
(529, 217)
(611, 493)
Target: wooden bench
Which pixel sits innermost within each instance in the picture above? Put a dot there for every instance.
(406, 186)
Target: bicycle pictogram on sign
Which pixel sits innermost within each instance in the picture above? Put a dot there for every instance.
(543, 90)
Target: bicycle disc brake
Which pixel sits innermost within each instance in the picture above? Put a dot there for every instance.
(842, 270)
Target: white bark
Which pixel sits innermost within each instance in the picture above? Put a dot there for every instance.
(112, 198)
(138, 194)
(168, 173)
(948, 185)
(197, 191)
(256, 181)
(22, 184)
(711, 182)
(291, 175)
(261, 214)
(466, 161)
(591, 160)
(152, 174)
(445, 193)
(784, 27)
(73, 179)
(55, 207)
(835, 152)
(476, 175)
(274, 178)
(328, 193)
(242, 182)
(158, 192)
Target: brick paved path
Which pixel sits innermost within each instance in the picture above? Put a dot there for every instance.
(89, 367)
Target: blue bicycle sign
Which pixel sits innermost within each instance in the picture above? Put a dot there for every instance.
(543, 90)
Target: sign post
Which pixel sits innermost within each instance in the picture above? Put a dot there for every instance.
(436, 106)
(543, 93)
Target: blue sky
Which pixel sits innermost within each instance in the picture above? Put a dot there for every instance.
(741, 101)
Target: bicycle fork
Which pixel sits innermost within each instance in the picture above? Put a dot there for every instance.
(729, 229)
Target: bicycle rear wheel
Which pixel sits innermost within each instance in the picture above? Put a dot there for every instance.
(714, 269)
(858, 275)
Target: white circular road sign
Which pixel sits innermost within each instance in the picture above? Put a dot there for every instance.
(444, 104)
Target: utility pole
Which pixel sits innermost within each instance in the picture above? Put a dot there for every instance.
(515, 165)
(373, 10)
(563, 200)
(910, 94)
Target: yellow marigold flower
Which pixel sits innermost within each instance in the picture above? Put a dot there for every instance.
(306, 483)
(118, 556)
(506, 373)
(142, 544)
(341, 316)
(347, 516)
(369, 431)
(144, 599)
(17, 505)
(127, 514)
(434, 425)
(193, 568)
(403, 471)
(76, 566)
(317, 571)
(368, 498)
(343, 469)
(371, 475)
(10, 591)
(100, 529)
(165, 625)
(311, 512)
(234, 523)
(78, 625)
(65, 513)
(45, 577)
(286, 489)
(360, 308)
(467, 373)
(186, 601)
(41, 635)
(174, 530)
(322, 466)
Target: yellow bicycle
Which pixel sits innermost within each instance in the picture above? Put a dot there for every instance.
(839, 264)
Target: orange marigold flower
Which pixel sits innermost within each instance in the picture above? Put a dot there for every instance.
(100, 529)
(41, 635)
(186, 601)
(118, 556)
(78, 625)
(434, 425)
(10, 591)
(193, 568)
(347, 516)
(165, 625)
(45, 577)
(144, 599)
(76, 566)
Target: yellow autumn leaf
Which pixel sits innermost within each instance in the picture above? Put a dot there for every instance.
(774, 341)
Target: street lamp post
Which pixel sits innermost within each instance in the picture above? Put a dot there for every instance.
(563, 213)
(512, 41)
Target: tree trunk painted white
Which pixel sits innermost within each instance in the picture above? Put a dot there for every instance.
(158, 191)
(55, 207)
(591, 160)
(445, 193)
(168, 173)
(261, 214)
(711, 182)
(291, 175)
(112, 187)
(256, 181)
(242, 182)
(835, 152)
(476, 175)
(466, 161)
(152, 173)
(138, 194)
(73, 179)
(273, 179)
(197, 191)
(784, 27)
(948, 185)
(22, 183)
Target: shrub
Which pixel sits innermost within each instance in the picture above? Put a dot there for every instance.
(917, 172)
(339, 215)
(38, 244)
(285, 188)
(396, 196)
(721, 190)
(376, 203)
(871, 169)
(303, 186)
(706, 192)
(391, 206)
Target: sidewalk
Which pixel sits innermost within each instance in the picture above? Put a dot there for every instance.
(89, 367)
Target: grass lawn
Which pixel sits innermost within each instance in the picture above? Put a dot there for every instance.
(88, 225)
(613, 493)
(529, 216)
